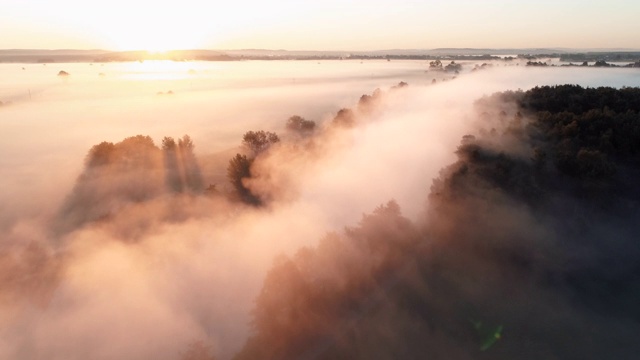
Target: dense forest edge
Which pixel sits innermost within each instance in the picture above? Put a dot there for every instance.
(528, 249)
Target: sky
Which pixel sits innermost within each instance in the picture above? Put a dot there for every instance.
(317, 25)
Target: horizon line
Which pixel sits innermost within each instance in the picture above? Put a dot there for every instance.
(335, 51)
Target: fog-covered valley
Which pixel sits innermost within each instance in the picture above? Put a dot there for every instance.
(121, 247)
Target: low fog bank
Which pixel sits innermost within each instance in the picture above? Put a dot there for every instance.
(132, 253)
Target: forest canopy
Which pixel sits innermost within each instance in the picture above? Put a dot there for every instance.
(527, 257)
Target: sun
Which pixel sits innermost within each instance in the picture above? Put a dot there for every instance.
(163, 27)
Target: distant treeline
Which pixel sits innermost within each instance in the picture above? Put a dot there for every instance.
(205, 55)
(599, 58)
(58, 56)
(606, 56)
(599, 63)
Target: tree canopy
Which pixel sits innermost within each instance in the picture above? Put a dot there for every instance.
(259, 141)
(513, 252)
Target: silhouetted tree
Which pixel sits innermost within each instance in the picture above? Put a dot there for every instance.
(173, 178)
(101, 154)
(259, 141)
(168, 143)
(238, 170)
(115, 174)
(181, 166)
(435, 65)
(453, 67)
(601, 63)
(190, 167)
(300, 125)
(344, 118)
(400, 85)
(536, 63)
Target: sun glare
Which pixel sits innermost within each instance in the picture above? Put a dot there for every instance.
(155, 44)
(155, 37)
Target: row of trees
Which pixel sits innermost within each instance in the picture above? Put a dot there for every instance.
(257, 144)
(436, 65)
(134, 170)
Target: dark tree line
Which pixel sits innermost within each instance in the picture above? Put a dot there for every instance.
(516, 257)
(135, 170)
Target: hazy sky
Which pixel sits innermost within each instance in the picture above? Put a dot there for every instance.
(317, 25)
